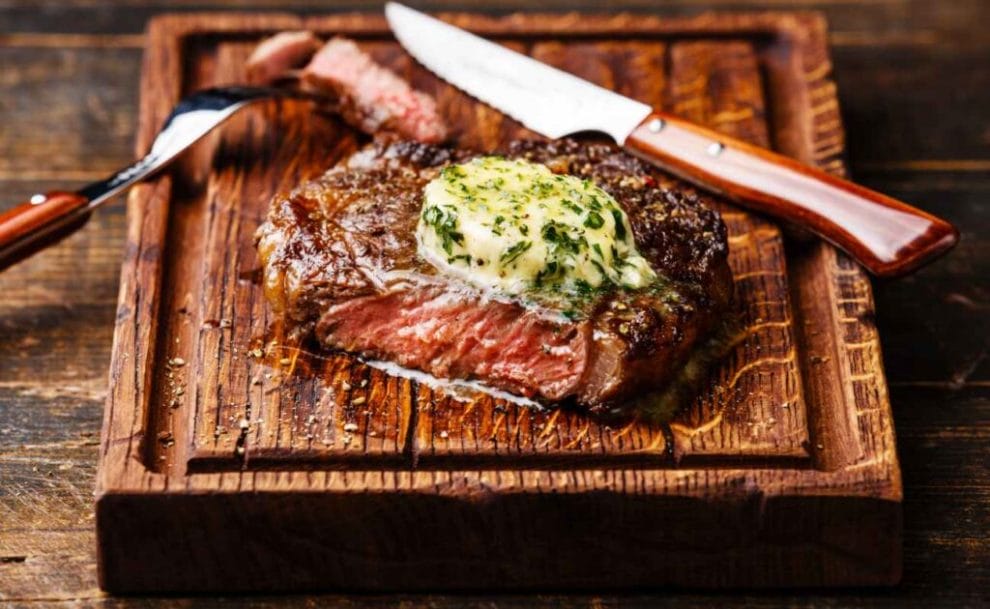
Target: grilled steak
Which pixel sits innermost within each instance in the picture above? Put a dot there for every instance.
(277, 57)
(340, 263)
(367, 95)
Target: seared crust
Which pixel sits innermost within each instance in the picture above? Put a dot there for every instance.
(350, 234)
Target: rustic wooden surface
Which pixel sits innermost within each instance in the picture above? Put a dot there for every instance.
(913, 82)
(208, 399)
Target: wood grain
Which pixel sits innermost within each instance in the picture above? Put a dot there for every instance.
(894, 63)
(219, 432)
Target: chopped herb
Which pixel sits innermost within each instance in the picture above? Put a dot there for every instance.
(571, 205)
(593, 220)
(516, 250)
(557, 234)
(453, 173)
(620, 226)
(550, 271)
(444, 223)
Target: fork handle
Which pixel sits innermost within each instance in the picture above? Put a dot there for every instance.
(44, 220)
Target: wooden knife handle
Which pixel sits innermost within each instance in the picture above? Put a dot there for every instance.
(886, 236)
(44, 220)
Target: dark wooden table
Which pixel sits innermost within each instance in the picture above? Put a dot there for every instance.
(914, 83)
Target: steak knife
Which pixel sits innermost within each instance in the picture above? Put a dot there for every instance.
(888, 237)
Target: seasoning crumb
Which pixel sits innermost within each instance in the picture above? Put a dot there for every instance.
(285, 361)
(177, 362)
(444, 434)
(364, 383)
(350, 427)
(225, 323)
(358, 401)
(244, 424)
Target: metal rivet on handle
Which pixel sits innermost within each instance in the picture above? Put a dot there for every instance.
(655, 125)
(716, 148)
(38, 199)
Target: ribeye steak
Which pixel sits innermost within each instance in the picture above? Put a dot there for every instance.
(340, 263)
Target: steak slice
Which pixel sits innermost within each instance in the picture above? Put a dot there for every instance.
(372, 96)
(368, 96)
(277, 57)
(340, 264)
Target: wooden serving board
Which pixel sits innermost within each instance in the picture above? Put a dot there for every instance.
(231, 461)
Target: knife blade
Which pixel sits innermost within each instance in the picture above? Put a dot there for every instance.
(888, 237)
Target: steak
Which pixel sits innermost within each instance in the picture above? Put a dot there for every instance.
(372, 96)
(366, 94)
(277, 58)
(340, 264)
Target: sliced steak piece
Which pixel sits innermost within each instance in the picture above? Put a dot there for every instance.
(340, 263)
(372, 96)
(369, 96)
(275, 58)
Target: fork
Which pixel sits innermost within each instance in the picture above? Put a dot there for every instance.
(46, 219)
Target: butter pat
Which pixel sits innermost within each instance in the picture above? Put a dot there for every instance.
(515, 226)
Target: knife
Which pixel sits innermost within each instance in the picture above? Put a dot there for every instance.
(888, 237)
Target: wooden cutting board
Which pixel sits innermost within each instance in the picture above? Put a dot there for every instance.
(231, 461)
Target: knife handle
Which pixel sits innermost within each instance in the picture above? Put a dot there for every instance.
(886, 236)
(45, 220)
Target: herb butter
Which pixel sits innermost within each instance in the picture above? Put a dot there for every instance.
(515, 226)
